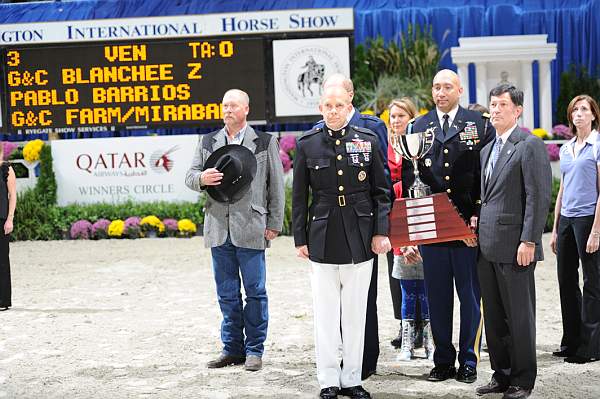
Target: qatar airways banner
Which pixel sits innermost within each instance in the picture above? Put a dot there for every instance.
(114, 170)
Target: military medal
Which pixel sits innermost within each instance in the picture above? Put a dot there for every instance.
(362, 175)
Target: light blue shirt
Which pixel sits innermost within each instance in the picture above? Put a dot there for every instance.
(580, 177)
(238, 138)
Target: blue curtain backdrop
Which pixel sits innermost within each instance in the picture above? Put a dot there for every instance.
(572, 24)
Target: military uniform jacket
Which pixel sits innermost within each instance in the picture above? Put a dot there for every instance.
(452, 165)
(344, 172)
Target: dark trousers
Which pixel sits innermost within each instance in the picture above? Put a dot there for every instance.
(580, 313)
(445, 267)
(371, 351)
(508, 293)
(394, 287)
(5, 284)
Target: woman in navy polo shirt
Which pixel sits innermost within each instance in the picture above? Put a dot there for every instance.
(576, 233)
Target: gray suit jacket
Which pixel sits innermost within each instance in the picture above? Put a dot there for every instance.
(516, 199)
(262, 206)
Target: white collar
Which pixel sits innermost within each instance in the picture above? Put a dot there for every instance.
(451, 115)
(590, 139)
(504, 136)
(350, 115)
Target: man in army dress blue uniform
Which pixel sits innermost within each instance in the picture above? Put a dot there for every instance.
(452, 166)
(342, 230)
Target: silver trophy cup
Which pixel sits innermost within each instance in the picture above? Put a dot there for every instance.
(412, 147)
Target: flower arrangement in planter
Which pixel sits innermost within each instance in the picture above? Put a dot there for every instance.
(553, 152)
(541, 133)
(100, 229)
(287, 150)
(32, 150)
(170, 227)
(81, 230)
(186, 227)
(116, 228)
(132, 228)
(152, 226)
(562, 132)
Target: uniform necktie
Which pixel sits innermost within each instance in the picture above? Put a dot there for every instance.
(494, 157)
(446, 124)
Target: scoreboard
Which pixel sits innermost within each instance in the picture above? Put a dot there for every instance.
(136, 84)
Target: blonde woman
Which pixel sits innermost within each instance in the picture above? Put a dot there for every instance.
(8, 203)
(408, 294)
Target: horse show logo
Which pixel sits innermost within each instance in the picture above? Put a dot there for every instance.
(304, 71)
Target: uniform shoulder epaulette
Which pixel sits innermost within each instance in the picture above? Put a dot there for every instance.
(309, 133)
(364, 130)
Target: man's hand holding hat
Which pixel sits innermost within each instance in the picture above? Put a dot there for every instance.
(211, 177)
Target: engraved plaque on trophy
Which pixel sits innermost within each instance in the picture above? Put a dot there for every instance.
(423, 218)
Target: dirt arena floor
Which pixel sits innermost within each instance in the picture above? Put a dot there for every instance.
(139, 319)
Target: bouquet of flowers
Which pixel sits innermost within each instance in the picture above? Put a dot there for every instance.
(171, 227)
(100, 229)
(132, 227)
(116, 228)
(186, 227)
(81, 230)
(152, 226)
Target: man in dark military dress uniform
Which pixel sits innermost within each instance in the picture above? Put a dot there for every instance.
(342, 230)
(452, 166)
(377, 126)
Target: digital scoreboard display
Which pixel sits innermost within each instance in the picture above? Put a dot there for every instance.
(166, 83)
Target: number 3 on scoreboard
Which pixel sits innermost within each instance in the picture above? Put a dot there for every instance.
(195, 70)
(14, 58)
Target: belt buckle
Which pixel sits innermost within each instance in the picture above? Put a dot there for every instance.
(341, 200)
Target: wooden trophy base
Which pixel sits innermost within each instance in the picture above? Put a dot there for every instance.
(416, 221)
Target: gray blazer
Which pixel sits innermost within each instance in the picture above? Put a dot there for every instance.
(516, 199)
(262, 206)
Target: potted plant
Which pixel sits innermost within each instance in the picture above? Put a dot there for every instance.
(100, 229)
(116, 228)
(170, 227)
(132, 227)
(186, 227)
(81, 230)
(152, 226)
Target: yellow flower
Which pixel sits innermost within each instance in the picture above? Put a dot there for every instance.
(368, 112)
(423, 111)
(152, 222)
(541, 133)
(31, 151)
(116, 227)
(186, 226)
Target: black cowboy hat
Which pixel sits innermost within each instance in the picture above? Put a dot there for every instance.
(238, 165)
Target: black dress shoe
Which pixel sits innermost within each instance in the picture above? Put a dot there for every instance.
(357, 392)
(397, 342)
(515, 392)
(579, 359)
(492, 387)
(466, 374)
(564, 353)
(441, 373)
(225, 360)
(329, 393)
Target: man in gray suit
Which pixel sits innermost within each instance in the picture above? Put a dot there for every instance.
(239, 232)
(516, 186)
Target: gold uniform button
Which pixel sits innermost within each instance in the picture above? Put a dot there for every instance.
(337, 142)
(313, 217)
(447, 177)
(341, 188)
(317, 167)
(339, 157)
(445, 150)
(448, 191)
(447, 164)
(340, 172)
(362, 164)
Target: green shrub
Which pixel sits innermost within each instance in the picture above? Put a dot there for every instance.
(550, 219)
(574, 82)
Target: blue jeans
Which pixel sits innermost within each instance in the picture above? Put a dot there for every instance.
(228, 262)
(413, 291)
